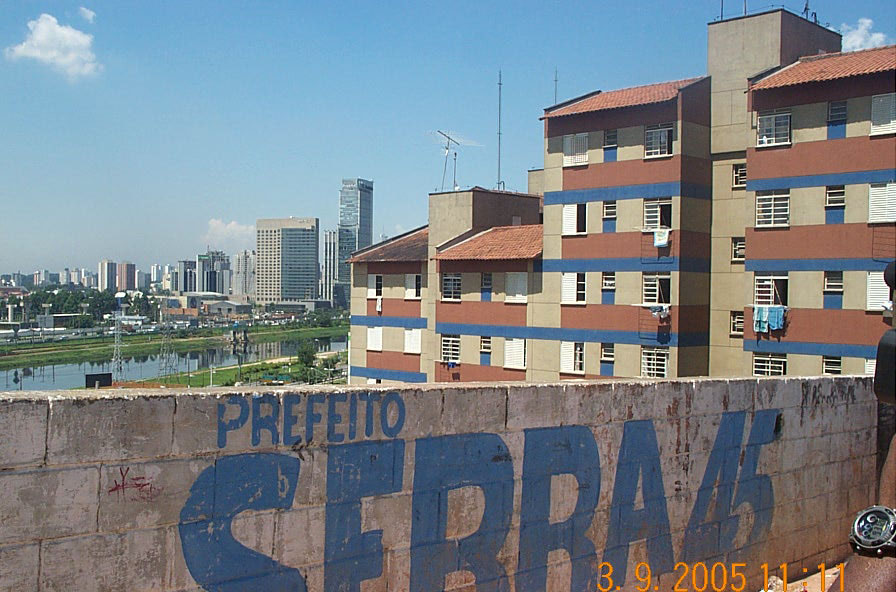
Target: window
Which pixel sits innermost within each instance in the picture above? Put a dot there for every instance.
(831, 365)
(770, 289)
(833, 281)
(413, 285)
(374, 286)
(608, 280)
(572, 356)
(878, 292)
(610, 140)
(609, 210)
(773, 208)
(883, 114)
(739, 175)
(870, 365)
(374, 338)
(769, 364)
(654, 362)
(738, 248)
(516, 286)
(450, 286)
(485, 345)
(412, 341)
(837, 111)
(450, 348)
(574, 218)
(658, 213)
(773, 128)
(658, 140)
(485, 283)
(736, 323)
(572, 287)
(835, 195)
(575, 149)
(656, 288)
(374, 381)
(882, 202)
(514, 352)
(607, 352)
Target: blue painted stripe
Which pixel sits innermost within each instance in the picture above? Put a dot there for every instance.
(881, 176)
(566, 334)
(384, 374)
(627, 264)
(647, 190)
(406, 322)
(811, 349)
(814, 265)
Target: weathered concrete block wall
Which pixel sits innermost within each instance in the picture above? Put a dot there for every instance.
(490, 487)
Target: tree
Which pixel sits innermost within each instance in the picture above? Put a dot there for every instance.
(305, 352)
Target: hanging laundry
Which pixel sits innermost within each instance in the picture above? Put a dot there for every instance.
(776, 317)
(760, 318)
(660, 311)
(661, 237)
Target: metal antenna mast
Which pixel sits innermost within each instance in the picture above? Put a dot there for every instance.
(167, 359)
(117, 362)
(448, 141)
(500, 182)
(555, 85)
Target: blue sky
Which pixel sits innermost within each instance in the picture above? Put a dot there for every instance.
(173, 125)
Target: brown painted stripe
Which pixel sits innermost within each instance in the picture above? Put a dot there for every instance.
(394, 307)
(831, 241)
(846, 155)
(481, 313)
(608, 317)
(476, 373)
(387, 267)
(808, 325)
(611, 245)
(479, 266)
(392, 360)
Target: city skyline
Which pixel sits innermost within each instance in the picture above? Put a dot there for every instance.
(147, 147)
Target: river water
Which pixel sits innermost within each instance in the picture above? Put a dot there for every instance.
(67, 376)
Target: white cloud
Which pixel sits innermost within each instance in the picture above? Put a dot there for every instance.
(60, 46)
(860, 36)
(229, 236)
(88, 14)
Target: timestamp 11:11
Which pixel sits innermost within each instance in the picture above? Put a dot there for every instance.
(783, 567)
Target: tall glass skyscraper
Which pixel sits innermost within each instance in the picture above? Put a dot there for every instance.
(287, 259)
(355, 222)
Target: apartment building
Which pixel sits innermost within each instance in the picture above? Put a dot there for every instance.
(287, 255)
(726, 225)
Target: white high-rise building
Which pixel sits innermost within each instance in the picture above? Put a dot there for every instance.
(107, 275)
(287, 259)
(330, 265)
(244, 273)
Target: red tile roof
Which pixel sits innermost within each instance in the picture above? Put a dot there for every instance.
(832, 66)
(625, 97)
(498, 243)
(410, 246)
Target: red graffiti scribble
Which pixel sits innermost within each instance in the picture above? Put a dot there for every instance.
(141, 488)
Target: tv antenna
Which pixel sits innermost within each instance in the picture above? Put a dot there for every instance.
(500, 184)
(555, 83)
(448, 141)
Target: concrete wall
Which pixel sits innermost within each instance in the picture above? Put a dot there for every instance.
(433, 488)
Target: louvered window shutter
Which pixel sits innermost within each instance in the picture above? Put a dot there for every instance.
(516, 286)
(566, 356)
(569, 218)
(412, 341)
(882, 202)
(371, 286)
(514, 353)
(878, 292)
(410, 281)
(568, 150)
(375, 338)
(883, 114)
(568, 287)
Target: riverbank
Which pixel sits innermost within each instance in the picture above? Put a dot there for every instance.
(99, 349)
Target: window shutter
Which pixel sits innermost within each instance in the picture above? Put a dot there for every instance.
(371, 286)
(883, 114)
(410, 286)
(870, 365)
(514, 353)
(568, 150)
(569, 218)
(375, 338)
(878, 291)
(566, 356)
(581, 148)
(882, 202)
(412, 341)
(516, 286)
(568, 287)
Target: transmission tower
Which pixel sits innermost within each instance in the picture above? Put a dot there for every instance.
(167, 358)
(117, 362)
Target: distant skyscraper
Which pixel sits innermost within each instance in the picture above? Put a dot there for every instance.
(213, 272)
(186, 277)
(355, 222)
(127, 276)
(287, 259)
(107, 275)
(331, 259)
(155, 273)
(244, 273)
